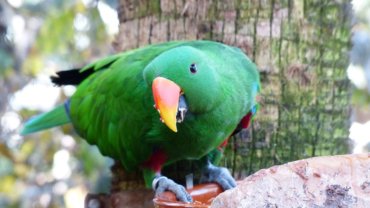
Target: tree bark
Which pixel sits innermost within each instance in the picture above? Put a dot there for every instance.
(300, 48)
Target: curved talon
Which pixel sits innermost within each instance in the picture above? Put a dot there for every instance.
(219, 175)
(162, 184)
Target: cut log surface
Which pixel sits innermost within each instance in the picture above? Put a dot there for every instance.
(331, 181)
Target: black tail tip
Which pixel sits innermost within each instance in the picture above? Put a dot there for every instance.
(70, 77)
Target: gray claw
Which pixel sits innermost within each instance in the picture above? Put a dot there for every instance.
(162, 184)
(219, 175)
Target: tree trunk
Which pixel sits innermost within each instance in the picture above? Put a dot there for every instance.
(300, 48)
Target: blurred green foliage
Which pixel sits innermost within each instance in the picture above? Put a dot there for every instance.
(361, 97)
(55, 35)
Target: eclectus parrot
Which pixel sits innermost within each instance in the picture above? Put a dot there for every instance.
(202, 92)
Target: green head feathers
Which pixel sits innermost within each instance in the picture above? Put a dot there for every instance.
(193, 71)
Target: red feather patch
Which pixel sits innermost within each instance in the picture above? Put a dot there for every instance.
(246, 120)
(243, 124)
(156, 161)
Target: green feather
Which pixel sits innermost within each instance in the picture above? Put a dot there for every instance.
(101, 63)
(56, 117)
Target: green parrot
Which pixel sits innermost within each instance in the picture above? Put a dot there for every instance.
(158, 104)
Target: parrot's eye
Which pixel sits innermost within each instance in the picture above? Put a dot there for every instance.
(193, 68)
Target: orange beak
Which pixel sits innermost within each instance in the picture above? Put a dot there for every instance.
(166, 98)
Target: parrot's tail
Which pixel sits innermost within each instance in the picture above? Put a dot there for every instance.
(56, 117)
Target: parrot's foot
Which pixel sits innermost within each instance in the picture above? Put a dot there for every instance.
(162, 184)
(219, 175)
